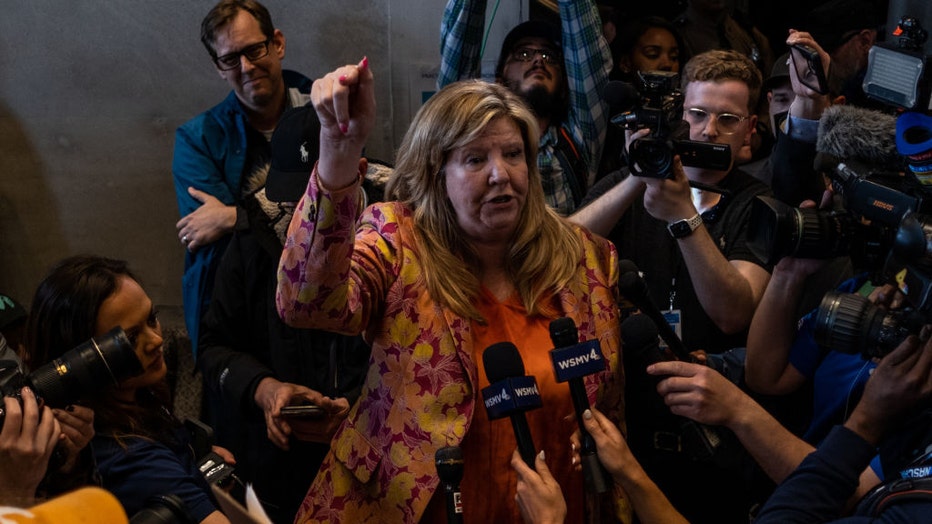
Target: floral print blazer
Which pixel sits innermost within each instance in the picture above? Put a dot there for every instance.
(419, 393)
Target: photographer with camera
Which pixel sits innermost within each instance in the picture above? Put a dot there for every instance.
(691, 244)
(139, 447)
(27, 440)
(895, 404)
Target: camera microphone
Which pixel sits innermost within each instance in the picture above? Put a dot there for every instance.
(620, 96)
(449, 462)
(641, 349)
(572, 361)
(511, 393)
(634, 288)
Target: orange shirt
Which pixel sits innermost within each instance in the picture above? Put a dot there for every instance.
(488, 485)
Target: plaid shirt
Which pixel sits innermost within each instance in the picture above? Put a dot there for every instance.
(587, 62)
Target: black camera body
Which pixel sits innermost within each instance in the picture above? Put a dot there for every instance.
(660, 109)
(98, 363)
(213, 468)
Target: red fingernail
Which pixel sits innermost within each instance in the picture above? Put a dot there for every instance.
(342, 78)
(344, 128)
(364, 63)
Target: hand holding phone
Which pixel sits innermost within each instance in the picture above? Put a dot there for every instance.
(305, 411)
(808, 65)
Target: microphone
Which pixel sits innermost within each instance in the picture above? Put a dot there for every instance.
(634, 288)
(620, 96)
(449, 461)
(88, 504)
(511, 393)
(571, 362)
(641, 349)
(857, 134)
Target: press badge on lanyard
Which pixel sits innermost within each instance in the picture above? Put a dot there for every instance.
(673, 317)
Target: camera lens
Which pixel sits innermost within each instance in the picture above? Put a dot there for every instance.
(651, 157)
(849, 323)
(777, 230)
(91, 366)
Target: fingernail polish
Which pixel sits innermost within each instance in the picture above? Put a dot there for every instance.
(344, 128)
(541, 455)
(587, 414)
(364, 63)
(342, 78)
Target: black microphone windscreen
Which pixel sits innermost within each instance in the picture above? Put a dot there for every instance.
(449, 462)
(627, 266)
(620, 96)
(563, 332)
(633, 287)
(854, 133)
(502, 360)
(638, 334)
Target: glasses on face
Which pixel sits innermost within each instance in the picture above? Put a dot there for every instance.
(252, 53)
(727, 123)
(527, 54)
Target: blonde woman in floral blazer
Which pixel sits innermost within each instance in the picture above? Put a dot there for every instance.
(468, 217)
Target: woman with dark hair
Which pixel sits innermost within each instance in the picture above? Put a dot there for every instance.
(140, 449)
(649, 43)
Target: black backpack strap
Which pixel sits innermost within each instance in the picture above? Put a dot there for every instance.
(573, 164)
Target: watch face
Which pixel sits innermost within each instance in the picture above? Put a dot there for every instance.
(684, 228)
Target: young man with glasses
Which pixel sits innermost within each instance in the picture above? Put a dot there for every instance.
(561, 75)
(223, 154)
(691, 245)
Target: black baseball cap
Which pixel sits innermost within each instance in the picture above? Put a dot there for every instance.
(295, 148)
(528, 29)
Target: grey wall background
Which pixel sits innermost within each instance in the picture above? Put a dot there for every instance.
(91, 93)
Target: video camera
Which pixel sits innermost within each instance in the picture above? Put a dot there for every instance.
(100, 362)
(659, 107)
(885, 224)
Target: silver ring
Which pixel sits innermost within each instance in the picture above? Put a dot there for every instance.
(184, 239)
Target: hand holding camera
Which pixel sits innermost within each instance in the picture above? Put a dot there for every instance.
(27, 440)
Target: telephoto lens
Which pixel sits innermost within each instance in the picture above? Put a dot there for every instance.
(100, 362)
(777, 230)
(850, 323)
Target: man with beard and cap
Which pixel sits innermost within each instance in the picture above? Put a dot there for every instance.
(561, 76)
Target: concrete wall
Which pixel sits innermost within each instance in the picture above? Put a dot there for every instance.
(92, 91)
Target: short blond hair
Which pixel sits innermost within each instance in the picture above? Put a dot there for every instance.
(720, 65)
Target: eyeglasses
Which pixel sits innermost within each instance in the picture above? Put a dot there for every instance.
(527, 54)
(252, 53)
(727, 123)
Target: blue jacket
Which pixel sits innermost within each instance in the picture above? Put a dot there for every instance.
(210, 154)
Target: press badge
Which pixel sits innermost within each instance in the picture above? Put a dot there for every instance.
(674, 318)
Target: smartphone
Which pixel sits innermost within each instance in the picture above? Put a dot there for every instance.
(303, 411)
(809, 68)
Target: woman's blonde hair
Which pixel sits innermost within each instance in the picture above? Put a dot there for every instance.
(545, 250)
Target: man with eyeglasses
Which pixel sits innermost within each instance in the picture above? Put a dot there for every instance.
(691, 245)
(561, 76)
(223, 154)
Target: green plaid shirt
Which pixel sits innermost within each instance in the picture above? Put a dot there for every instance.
(587, 62)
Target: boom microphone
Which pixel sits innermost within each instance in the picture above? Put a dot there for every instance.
(511, 393)
(634, 288)
(571, 362)
(449, 461)
(856, 134)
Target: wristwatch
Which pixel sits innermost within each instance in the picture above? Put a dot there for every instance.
(684, 228)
